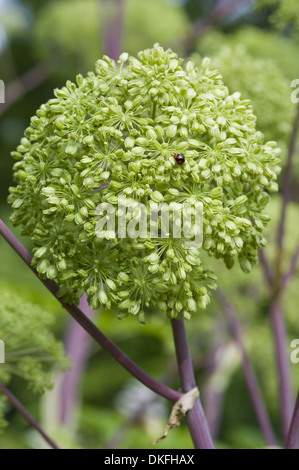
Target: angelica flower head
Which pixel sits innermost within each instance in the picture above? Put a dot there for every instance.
(114, 134)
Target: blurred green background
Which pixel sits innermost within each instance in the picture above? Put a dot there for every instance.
(43, 44)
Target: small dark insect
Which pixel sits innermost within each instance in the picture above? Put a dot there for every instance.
(179, 158)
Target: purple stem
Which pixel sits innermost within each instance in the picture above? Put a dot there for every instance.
(294, 427)
(276, 285)
(292, 269)
(249, 373)
(213, 396)
(114, 30)
(213, 402)
(283, 365)
(266, 267)
(287, 180)
(278, 322)
(15, 402)
(77, 347)
(27, 82)
(87, 325)
(221, 11)
(196, 418)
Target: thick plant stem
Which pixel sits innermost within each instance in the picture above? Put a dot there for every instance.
(249, 372)
(114, 28)
(196, 418)
(286, 190)
(77, 345)
(277, 282)
(220, 13)
(88, 326)
(27, 82)
(278, 321)
(294, 427)
(283, 366)
(287, 277)
(15, 402)
(268, 274)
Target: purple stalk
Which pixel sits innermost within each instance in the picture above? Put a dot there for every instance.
(292, 268)
(77, 346)
(27, 82)
(249, 373)
(294, 427)
(87, 325)
(266, 267)
(220, 13)
(276, 284)
(283, 365)
(114, 30)
(15, 402)
(287, 180)
(196, 418)
(212, 394)
(213, 402)
(278, 322)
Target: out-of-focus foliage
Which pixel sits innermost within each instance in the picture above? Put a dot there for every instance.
(76, 29)
(13, 19)
(285, 13)
(147, 23)
(259, 44)
(249, 296)
(31, 350)
(196, 9)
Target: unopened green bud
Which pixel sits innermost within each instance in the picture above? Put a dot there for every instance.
(123, 57)
(48, 191)
(151, 135)
(40, 252)
(43, 266)
(240, 200)
(171, 131)
(111, 284)
(156, 196)
(191, 304)
(182, 273)
(71, 149)
(103, 297)
(129, 142)
(245, 265)
(123, 277)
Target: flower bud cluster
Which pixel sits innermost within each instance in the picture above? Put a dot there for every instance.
(114, 134)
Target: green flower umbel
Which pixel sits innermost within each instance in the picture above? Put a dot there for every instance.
(114, 134)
